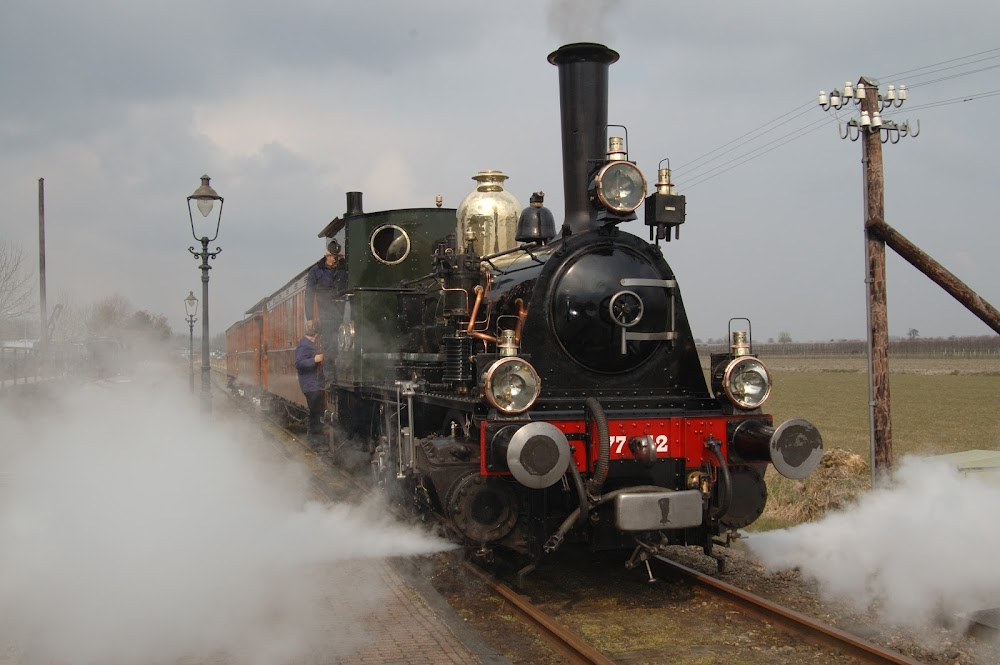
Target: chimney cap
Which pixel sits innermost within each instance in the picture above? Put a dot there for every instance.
(583, 52)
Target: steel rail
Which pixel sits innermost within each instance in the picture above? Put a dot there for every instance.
(813, 628)
(574, 646)
(580, 651)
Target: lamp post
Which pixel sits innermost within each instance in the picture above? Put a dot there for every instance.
(205, 198)
(191, 307)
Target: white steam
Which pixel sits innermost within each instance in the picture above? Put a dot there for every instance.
(920, 552)
(582, 20)
(133, 531)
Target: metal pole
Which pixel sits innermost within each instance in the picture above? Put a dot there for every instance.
(43, 333)
(206, 377)
(191, 320)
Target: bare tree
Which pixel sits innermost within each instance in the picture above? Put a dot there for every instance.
(70, 325)
(16, 281)
(108, 315)
(151, 326)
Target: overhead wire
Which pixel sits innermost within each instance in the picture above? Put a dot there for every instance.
(953, 100)
(739, 160)
(945, 62)
(739, 138)
(695, 169)
(953, 76)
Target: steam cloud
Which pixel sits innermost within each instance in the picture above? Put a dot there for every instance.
(920, 552)
(581, 20)
(132, 531)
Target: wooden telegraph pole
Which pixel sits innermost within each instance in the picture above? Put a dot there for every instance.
(875, 132)
(878, 318)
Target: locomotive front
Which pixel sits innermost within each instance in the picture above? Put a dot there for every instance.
(597, 404)
(549, 388)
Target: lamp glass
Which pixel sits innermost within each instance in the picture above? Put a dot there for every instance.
(622, 186)
(205, 206)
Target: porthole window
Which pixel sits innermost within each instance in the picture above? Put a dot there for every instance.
(390, 244)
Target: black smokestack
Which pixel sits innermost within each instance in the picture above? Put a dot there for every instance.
(583, 103)
(353, 204)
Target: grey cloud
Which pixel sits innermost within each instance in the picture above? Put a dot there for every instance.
(122, 107)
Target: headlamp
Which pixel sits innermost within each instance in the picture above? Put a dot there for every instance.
(745, 381)
(621, 187)
(511, 385)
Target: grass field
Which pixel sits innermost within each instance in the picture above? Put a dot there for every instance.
(937, 406)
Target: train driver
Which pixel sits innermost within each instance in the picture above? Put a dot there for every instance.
(327, 280)
(308, 361)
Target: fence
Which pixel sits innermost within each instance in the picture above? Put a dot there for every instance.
(18, 365)
(959, 347)
(94, 359)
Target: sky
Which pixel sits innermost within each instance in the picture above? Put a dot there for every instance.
(121, 107)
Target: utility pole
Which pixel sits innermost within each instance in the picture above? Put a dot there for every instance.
(876, 131)
(43, 331)
(878, 315)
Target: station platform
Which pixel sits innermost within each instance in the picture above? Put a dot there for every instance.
(317, 609)
(415, 626)
(392, 614)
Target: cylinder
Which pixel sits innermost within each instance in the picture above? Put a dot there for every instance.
(458, 359)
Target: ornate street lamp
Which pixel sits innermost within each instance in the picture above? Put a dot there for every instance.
(205, 198)
(191, 307)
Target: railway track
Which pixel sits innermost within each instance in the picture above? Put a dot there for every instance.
(796, 627)
(794, 622)
(561, 638)
(799, 637)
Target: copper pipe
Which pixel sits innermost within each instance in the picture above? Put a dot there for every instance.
(522, 314)
(480, 290)
(485, 336)
(475, 309)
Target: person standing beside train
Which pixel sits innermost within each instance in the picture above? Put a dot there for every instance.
(308, 366)
(326, 280)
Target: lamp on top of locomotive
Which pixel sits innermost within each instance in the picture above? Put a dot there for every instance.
(619, 186)
(740, 376)
(205, 198)
(665, 209)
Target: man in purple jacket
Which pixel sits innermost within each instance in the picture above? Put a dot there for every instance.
(308, 364)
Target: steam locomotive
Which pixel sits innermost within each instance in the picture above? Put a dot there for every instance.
(525, 384)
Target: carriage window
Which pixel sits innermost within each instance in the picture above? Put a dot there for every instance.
(390, 244)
